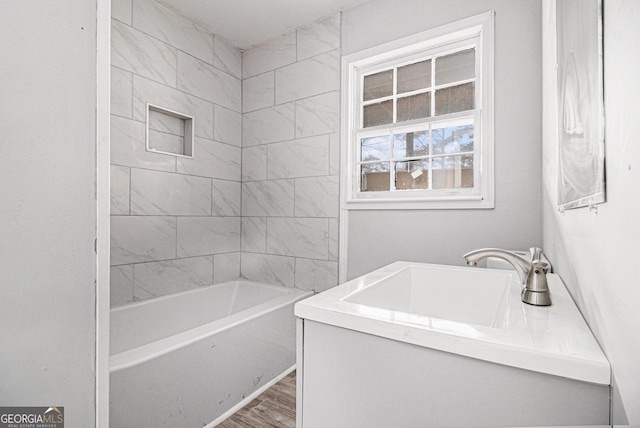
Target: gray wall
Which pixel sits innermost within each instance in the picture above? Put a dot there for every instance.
(48, 209)
(290, 158)
(376, 238)
(175, 222)
(596, 254)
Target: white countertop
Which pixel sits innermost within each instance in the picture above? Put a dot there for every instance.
(548, 339)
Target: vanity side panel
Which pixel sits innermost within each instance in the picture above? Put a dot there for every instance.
(352, 379)
(299, 369)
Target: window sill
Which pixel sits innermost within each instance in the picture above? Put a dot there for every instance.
(443, 203)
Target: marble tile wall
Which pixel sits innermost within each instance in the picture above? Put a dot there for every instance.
(175, 221)
(290, 158)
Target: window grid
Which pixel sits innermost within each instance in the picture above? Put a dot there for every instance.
(429, 121)
(432, 88)
(430, 157)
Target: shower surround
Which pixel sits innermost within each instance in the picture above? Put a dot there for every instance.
(290, 158)
(175, 222)
(259, 199)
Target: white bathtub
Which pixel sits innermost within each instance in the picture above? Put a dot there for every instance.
(193, 358)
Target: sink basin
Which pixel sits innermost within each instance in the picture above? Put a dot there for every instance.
(479, 297)
(472, 312)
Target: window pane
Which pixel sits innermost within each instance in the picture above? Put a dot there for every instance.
(374, 177)
(414, 76)
(378, 85)
(377, 114)
(414, 107)
(455, 139)
(455, 67)
(453, 172)
(411, 144)
(455, 98)
(412, 175)
(375, 148)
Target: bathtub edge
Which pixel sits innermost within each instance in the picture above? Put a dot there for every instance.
(144, 353)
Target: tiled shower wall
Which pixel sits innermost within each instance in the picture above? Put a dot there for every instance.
(290, 158)
(175, 222)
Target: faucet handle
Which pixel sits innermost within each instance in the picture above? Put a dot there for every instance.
(540, 266)
(537, 254)
(536, 290)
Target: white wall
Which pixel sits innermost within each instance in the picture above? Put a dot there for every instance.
(376, 238)
(48, 206)
(175, 222)
(597, 254)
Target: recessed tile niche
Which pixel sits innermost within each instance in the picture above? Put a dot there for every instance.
(169, 132)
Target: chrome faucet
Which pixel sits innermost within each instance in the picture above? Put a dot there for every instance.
(532, 274)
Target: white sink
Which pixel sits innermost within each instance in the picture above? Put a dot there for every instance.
(474, 312)
(448, 293)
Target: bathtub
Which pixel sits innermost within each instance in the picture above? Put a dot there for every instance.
(192, 359)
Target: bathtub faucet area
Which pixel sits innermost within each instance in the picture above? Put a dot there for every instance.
(532, 273)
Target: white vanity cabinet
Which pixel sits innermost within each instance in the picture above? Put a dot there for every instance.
(367, 360)
(356, 380)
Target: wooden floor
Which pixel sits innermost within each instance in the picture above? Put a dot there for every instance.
(276, 408)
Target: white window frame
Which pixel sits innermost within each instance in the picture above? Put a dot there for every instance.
(477, 30)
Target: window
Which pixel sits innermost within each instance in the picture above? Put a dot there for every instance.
(419, 128)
